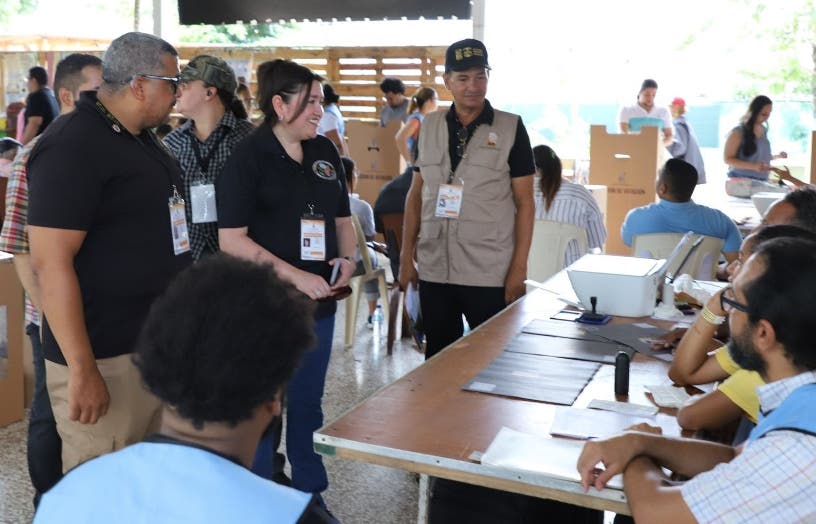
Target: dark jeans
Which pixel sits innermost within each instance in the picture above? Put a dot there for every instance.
(304, 415)
(44, 444)
(442, 308)
(459, 502)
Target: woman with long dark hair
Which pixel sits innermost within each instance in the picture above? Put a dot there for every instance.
(423, 102)
(748, 153)
(559, 200)
(282, 200)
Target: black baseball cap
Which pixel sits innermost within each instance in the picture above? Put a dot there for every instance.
(466, 54)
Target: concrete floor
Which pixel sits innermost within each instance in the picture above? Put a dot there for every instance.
(358, 493)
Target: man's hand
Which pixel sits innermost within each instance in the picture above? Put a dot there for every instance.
(88, 397)
(614, 453)
(514, 287)
(407, 274)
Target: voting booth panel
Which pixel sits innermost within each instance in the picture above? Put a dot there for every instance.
(11, 342)
(374, 150)
(627, 165)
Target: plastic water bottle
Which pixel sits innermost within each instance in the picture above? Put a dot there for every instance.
(378, 320)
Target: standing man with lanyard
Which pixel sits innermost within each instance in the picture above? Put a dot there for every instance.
(217, 122)
(108, 232)
(469, 215)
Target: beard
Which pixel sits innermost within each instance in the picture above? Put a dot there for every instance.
(742, 351)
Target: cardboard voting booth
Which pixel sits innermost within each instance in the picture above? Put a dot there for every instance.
(11, 343)
(627, 165)
(374, 150)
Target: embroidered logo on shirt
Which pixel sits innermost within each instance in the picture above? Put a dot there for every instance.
(492, 139)
(324, 170)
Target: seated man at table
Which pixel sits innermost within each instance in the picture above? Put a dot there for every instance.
(771, 477)
(797, 208)
(677, 213)
(219, 367)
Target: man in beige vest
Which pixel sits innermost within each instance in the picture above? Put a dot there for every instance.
(469, 215)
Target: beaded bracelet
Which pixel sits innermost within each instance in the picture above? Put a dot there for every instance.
(710, 317)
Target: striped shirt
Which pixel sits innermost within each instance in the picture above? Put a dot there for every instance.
(772, 480)
(217, 147)
(573, 204)
(14, 236)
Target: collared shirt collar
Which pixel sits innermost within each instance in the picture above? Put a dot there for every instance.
(772, 394)
(675, 205)
(485, 117)
(228, 120)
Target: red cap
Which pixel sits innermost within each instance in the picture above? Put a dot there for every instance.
(678, 102)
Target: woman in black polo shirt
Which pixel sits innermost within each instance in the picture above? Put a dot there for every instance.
(282, 200)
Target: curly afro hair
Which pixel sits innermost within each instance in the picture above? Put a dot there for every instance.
(224, 337)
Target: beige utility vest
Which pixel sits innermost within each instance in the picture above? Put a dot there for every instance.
(474, 249)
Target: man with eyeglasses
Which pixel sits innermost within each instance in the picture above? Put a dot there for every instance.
(469, 214)
(107, 233)
(770, 478)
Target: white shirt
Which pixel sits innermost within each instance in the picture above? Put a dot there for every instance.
(573, 204)
(635, 111)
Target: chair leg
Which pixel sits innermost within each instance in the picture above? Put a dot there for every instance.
(393, 311)
(386, 310)
(352, 306)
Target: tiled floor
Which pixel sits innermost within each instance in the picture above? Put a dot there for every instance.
(358, 493)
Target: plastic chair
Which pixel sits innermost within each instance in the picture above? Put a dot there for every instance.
(701, 265)
(550, 241)
(356, 283)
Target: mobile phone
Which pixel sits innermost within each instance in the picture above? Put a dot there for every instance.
(335, 272)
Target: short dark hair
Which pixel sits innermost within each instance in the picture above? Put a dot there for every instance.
(680, 178)
(392, 85)
(330, 96)
(286, 79)
(224, 338)
(804, 201)
(647, 84)
(348, 165)
(68, 74)
(783, 295)
(767, 233)
(39, 75)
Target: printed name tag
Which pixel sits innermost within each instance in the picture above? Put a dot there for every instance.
(202, 197)
(449, 201)
(312, 239)
(178, 226)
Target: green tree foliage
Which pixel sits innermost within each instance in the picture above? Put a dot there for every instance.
(235, 34)
(10, 8)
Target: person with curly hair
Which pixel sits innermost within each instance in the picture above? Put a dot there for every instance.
(200, 358)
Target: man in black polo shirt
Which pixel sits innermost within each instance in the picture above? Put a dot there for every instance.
(41, 105)
(107, 233)
(470, 212)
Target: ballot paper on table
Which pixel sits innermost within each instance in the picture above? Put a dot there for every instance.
(539, 454)
(592, 423)
(668, 396)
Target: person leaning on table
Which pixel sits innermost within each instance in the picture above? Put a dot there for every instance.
(772, 477)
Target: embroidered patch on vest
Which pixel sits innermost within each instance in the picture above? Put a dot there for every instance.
(492, 139)
(324, 170)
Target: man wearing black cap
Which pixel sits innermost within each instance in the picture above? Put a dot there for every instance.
(645, 113)
(217, 122)
(470, 212)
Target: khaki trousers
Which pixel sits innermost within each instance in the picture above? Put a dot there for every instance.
(132, 414)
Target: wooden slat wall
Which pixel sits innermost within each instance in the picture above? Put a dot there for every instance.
(355, 72)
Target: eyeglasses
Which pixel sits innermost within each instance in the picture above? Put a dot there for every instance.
(174, 80)
(461, 140)
(727, 304)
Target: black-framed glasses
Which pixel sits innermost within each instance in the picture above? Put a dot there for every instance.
(461, 140)
(174, 80)
(727, 303)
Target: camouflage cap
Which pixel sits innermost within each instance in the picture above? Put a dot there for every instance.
(211, 70)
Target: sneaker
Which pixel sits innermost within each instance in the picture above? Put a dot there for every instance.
(369, 323)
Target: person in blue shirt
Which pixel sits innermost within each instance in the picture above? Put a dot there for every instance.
(219, 368)
(677, 213)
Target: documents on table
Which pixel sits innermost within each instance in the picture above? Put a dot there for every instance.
(593, 349)
(592, 423)
(550, 457)
(668, 396)
(626, 408)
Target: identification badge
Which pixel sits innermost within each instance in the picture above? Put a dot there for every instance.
(312, 238)
(202, 198)
(178, 224)
(449, 201)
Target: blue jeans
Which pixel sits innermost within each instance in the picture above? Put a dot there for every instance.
(304, 415)
(44, 444)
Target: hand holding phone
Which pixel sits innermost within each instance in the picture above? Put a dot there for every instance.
(335, 272)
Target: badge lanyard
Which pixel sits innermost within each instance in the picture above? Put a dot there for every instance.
(202, 194)
(178, 219)
(312, 235)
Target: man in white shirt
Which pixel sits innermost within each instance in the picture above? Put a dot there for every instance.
(770, 478)
(631, 118)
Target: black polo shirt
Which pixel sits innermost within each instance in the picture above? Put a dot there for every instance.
(84, 175)
(521, 154)
(263, 189)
